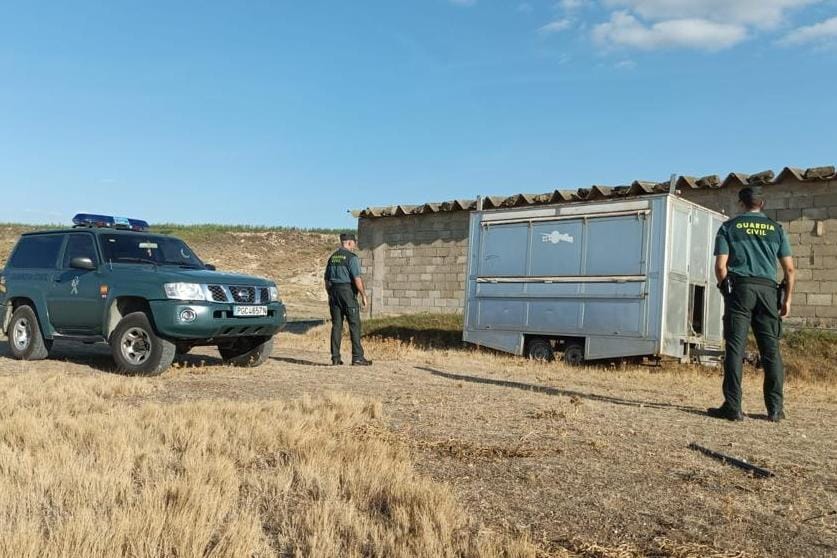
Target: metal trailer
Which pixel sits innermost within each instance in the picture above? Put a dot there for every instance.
(596, 280)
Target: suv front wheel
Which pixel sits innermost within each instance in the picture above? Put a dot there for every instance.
(250, 352)
(137, 349)
(25, 339)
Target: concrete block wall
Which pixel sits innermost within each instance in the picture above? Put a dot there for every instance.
(415, 263)
(808, 213)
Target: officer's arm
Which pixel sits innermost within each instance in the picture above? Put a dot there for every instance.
(354, 271)
(359, 286)
(721, 254)
(786, 260)
(721, 267)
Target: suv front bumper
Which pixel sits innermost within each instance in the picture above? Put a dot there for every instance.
(214, 320)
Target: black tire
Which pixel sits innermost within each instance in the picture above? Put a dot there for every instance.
(247, 352)
(25, 339)
(137, 349)
(574, 354)
(540, 349)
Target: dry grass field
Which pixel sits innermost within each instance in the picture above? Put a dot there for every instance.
(436, 450)
(95, 465)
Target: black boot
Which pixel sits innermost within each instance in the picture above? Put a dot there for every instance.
(724, 412)
(361, 362)
(337, 362)
(777, 416)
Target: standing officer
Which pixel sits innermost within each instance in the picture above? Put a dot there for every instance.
(747, 248)
(343, 283)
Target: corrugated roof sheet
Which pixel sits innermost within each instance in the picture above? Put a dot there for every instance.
(597, 192)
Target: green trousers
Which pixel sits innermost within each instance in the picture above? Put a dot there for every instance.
(342, 304)
(753, 303)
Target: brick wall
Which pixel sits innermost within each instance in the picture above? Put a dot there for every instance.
(415, 263)
(808, 212)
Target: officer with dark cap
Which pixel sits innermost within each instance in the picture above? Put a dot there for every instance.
(343, 283)
(747, 249)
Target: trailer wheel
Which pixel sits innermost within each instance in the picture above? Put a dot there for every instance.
(574, 354)
(540, 349)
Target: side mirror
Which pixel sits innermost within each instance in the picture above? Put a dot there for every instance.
(210, 267)
(83, 263)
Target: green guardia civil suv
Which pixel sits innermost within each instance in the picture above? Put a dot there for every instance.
(149, 296)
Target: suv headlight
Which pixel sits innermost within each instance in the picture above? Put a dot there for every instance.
(274, 294)
(184, 291)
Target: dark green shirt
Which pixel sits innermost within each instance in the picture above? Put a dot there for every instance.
(754, 244)
(342, 268)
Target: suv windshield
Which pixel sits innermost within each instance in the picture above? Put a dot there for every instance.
(139, 248)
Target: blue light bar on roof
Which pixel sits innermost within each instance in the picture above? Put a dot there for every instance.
(109, 222)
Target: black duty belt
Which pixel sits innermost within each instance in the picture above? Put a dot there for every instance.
(342, 287)
(761, 281)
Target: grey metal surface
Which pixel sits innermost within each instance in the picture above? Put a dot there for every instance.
(616, 274)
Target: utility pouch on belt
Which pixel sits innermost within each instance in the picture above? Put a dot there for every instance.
(726, 286)
(783, 293)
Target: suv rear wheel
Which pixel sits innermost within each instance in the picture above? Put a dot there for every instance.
(25, 339)
(137, 349)
(247, 351)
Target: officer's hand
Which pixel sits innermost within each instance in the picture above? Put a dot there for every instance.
(786, 307)
(363, 300)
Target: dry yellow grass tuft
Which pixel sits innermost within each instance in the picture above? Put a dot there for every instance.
(83, 472)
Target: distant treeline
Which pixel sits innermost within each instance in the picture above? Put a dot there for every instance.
(173, 228)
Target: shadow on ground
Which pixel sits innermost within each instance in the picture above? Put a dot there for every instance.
(420, 338)
(558, 391)
(198, 360)
(301, 327)
(299, 361)
(98, 356)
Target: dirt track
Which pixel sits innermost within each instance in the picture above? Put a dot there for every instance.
(600, 458)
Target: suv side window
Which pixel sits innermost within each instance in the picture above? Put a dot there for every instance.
(37, 252)
(80, 245)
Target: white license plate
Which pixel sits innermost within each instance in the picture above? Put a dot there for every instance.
(246, 311)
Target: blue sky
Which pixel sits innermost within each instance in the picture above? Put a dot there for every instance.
(290, 113)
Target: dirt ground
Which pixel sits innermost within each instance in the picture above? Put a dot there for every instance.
(595, 461)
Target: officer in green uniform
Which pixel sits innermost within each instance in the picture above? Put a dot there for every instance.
(343, 283)
(747, 249)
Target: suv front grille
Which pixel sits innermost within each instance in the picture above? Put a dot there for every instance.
(245, 295)
(239, 295)
(218, 294)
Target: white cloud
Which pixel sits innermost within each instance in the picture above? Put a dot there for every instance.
(823, 31)
(570, 5)
(625, 65)
(556, 26)
(525, 8)
(759, 13)
(463, 2)
(624, 29)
